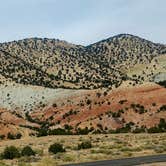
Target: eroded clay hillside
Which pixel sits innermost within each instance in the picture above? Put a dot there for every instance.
(128, 108)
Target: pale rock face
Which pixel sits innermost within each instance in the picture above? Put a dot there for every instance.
(160, 77)
(28, 97)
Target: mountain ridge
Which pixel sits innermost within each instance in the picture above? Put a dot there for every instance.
(100, 64)
(72, 43)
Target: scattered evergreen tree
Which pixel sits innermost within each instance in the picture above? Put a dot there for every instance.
(11, 152)
(27, 151)
(56, 148)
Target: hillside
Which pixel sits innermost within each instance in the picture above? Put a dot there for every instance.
(54, 63)
(100, 110)
(130, 108)
(114, 85)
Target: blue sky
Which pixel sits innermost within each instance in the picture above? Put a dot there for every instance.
(82, 21)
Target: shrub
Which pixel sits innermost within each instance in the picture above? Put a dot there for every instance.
(85, 145)
(11, 152)
(18, 135)
(162, 83)
(122, 101)
(56, 148)
(27, 151)
(67, 127)
(88, 102)
(54, 105)
(105, 93)
(162, 124)
(2, 137)
(12, 136)
(162, 108)
(154, 130)
(161, 127)
(153, 104)
(83, 131)
(115, 114)
(139, 130)
(42, 132)
(59, 131)
(127, 128)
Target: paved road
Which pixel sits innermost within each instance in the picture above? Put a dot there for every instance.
(126, 161)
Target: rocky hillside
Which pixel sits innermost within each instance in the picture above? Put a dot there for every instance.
(49, 86)
(139, 108)
(54, 63)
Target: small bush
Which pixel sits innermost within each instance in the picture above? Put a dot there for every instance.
(59, 131)
(56, 148)
(2, 137)
(54, 105)
(13, 136)
(85, 145)
(42, 132)
(88, 102)
(10, 136)
(18, 136)
(84, 131)
(11, 152)
(27, 151)
(139, 130)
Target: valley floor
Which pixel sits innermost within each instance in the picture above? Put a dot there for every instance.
(104, 147)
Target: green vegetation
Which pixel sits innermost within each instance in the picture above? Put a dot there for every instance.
(84, 131)
(14, 136)
(162, 108)
(56, 148)
(2, 137)
(138, 108)
(85, 145)
(91, 148)
(161, 127)
(71, 112)
(115, 114)
(27, 151)
(162, 83)
(139, 130)
(10, 152)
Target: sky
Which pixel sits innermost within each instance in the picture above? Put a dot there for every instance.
(82, 21)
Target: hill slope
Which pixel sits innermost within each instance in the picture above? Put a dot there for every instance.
(104, 86)
(61, 64)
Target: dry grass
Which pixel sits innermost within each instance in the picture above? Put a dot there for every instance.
(104, 147)
(144, 70)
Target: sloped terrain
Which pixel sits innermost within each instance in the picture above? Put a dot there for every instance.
(142, 105)
(115, 85)
(28, 98)
(54, 63)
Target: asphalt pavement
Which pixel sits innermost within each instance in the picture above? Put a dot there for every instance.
(126, 161)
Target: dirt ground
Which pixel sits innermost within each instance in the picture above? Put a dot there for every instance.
(104, 147)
